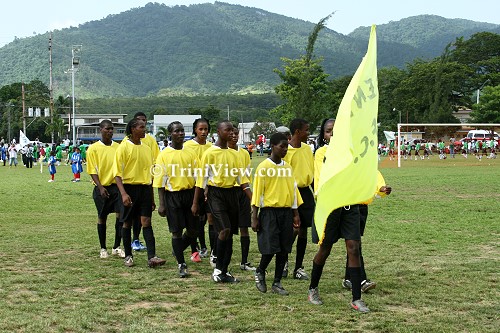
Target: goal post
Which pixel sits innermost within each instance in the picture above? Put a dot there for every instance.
(468, 125)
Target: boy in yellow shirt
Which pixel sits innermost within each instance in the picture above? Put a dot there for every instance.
(277, 197)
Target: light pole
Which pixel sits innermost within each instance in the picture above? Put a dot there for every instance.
(479, 90)
(75, 62)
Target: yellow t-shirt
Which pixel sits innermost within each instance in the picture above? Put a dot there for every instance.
(133, 163)
(199, 149)
(274, 186)
(302, 161)
(100, 159)
(220, 168)
(244, 157)
(175, 169)
(319, 159)
(150, 141)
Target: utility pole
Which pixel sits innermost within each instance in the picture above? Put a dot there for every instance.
(228, 112)
(24, 109)
(51, 105)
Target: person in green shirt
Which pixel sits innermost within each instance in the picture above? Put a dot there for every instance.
(83, 152)
(59, 153)
(417, 150)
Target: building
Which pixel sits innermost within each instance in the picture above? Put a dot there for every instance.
(463, 115)
(186, 120)
(87, 126)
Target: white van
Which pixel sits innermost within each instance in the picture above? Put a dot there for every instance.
(481, 135)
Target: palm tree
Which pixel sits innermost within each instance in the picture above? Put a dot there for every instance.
(57, 127)
(162, 133)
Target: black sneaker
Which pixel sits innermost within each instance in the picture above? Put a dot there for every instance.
(183, 270)
(277, 288)
(228, 278)
(260, 281)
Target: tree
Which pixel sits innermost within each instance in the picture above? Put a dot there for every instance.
(57, 126)
(261, 127)
(162, 133)
(304, 86)
(488, 110)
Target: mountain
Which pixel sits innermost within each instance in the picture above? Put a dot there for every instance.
(428, 34)
(158, 50)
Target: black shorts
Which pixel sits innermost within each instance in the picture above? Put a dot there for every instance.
(341, 223)
(245, 219)
(363, 215)
(141, 196)
(224, 205)
(275, 234)
(105, 206)
(306, 210)
(179, 215)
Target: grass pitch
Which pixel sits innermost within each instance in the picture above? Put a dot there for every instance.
(432, 246)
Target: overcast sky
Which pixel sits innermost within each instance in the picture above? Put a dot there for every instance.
(31, 17)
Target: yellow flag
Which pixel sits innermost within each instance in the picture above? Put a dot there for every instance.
(349, 173)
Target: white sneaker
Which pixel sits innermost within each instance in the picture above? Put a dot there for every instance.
(104, 253)
(51, 180)
(118, 252)
(217, 275)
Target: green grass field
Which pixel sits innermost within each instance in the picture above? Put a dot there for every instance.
(432, 246)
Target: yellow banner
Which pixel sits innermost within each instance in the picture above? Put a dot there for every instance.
(349, 173)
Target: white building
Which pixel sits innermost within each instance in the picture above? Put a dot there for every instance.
(164, 120)
(87, 125)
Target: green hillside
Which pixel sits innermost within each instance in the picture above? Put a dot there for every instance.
(208, 49)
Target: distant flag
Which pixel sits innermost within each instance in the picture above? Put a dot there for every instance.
(349, 173)
(23, 139)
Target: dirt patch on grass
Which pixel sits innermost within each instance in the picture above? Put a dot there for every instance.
(149, 305)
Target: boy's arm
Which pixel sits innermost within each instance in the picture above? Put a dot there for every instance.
(255, 218)
(296, 218)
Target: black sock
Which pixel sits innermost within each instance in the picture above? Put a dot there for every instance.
(193, 245)
(301, 251)
(245, 248)
(362, 262)
(264, 262)
(281, 259)
(201, 232)
(101, 232)
(127, 241)
(136, 227)
(178, 247)
(186, 241)
(149, 237)
(355, 273)
(228, 254)
(346, 275)
(316, 273)
(118, 233)
(212, 238)
(221, 251)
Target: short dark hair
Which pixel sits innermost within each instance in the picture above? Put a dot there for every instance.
(170, 126)
(219, 124)
(200, 120)
(140, 114)
(105, 122)
(297, 124)
(276, 138)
